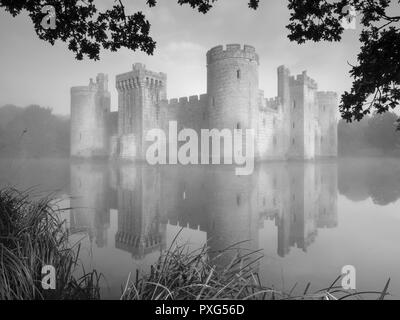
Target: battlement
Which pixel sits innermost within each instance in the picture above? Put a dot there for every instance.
(327, 98)
(140, 77)
(101, 84)
(233, 100)
(235, 51)
(273, 103)
(284, 70)
(183, 101)
(303, 80)
(82, 89)
(327, 94)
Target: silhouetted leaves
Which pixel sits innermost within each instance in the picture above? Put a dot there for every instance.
(86, 29)
(377, 75)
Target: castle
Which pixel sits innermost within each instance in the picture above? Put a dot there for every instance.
(300, 123)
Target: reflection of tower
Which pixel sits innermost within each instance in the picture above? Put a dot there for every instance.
(139, 229)
(297, 224)
(89, 201)
(327, 175)
(232, 209)
(310, 203)
(184, 196)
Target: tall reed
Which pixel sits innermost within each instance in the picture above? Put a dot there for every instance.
(180, 274)
(32, 235)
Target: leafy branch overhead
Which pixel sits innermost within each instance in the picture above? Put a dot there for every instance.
(87, 30)
(376, 77)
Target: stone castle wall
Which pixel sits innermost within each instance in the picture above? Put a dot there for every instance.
(90, 114)
(300, 123)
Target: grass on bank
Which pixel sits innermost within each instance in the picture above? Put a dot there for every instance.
(183, 275)
(32, 235)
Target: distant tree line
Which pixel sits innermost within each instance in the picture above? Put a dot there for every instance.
(35, 132)
(370, 178)
(32, 132)
(373, 135)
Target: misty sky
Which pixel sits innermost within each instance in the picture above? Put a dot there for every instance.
(34, 72)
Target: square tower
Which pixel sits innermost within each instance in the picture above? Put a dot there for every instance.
(302, 108)
(139, 94)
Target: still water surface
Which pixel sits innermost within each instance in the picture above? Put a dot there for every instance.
(309, 218)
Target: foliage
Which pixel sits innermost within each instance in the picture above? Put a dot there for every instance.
(180, 274)
(381, 133)
(33, 132)
(31, 236)
(376, 77)
(87, 29)
(376, 132)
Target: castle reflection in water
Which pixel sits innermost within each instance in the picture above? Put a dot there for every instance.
(298, 197)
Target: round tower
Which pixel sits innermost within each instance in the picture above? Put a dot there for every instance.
(90, 108)
(232, 87)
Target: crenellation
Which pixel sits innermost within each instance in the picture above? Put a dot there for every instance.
(273, 103)
(232, 51)
(233, 47)
(183, 100)
(194, 98)
(299, 123)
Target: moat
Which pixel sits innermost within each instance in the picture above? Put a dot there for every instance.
(309, 218)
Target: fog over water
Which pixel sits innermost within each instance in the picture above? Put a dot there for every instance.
(309, 218)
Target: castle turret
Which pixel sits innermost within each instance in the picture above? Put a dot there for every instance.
(232, 87)
(139, 94)
(90, 108)
(328, 123)
(302, 117)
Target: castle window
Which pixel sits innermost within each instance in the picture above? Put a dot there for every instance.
(80, 136)
(238, 125)
(264, 122)
(323, 107)
(293, 125)
(238, 74)
(294, 104)
(238, 200)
